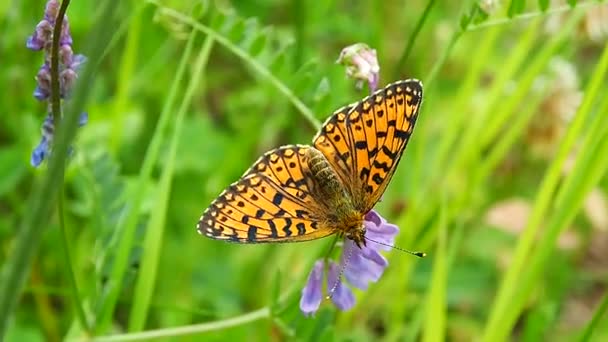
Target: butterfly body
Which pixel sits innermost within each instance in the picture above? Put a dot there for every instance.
(300, 192)
(343, 216)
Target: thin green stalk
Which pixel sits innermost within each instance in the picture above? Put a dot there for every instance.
(597, 316)
(152, 244)
(128, 219)
(531, 15)
(42, 198)
(410, 43)
(125, 76)
(455, 37)
(483, 131)
(55, 85)
(510, 284)
(461, 121)
(436, 310)
(421, 210)
(536, 265)
(492, 119)
(69, 265)
(258, 67)
(187, 330)
(508, 139)
(600, 122)
(428, 80)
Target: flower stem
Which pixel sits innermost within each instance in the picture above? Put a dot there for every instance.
(55, 84)
(189, 329)
(413, 36)
(68, 262)
(41, 201)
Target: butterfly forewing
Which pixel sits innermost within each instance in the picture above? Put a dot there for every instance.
(271, 202)
(377, 131)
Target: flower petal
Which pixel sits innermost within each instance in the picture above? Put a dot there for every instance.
(378, 229)
(312, 294)
(373, 217)
(342, 296)
(40, 152)
(361, 265)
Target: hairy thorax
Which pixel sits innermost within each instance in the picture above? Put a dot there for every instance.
(344, 217)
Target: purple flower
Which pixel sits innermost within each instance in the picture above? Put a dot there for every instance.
(43, 150)
(342, 296)
(360, 265)
(361, 64)
(69, 65)
(312, 292)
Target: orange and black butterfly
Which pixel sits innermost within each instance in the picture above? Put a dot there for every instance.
(300, 192)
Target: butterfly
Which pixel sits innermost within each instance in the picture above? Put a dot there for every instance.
(300, 192)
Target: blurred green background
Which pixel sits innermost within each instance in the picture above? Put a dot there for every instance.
(503, 183)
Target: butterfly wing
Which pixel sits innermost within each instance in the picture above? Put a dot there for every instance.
(272, 202)
(364, 141)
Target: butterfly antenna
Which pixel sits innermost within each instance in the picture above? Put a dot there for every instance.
(337, 282)
(418, 254)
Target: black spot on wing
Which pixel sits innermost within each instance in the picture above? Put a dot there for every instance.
(251, 233)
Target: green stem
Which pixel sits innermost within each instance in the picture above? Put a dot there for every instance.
(153, 240)
(69, 265)
(588, 332)
(441, 61)
(125, 78)
(530, 15)
(188, 330)
(55, 85)
(258, 67)
(413, 36)
(42, 199)
(128, 220)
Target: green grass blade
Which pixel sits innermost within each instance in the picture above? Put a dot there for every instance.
(40, 202)
(516, 7)
(126, 76)
(597, 316)
(154, 233)
(412, 40)
(189, 330)
(129, 217)
(436, 307)
(499, 323)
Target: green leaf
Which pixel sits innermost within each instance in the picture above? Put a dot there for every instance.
(516, 7)
(12, 169)
(597, 317)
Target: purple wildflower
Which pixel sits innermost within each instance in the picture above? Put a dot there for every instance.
(312, 293)
(69, 65)
(43, 149)
(361, 64)
(361, 266)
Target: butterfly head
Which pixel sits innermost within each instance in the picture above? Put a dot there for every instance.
(357, 234)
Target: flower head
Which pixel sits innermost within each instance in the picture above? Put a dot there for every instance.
(359, 265)
(361, 64)
(69, 65)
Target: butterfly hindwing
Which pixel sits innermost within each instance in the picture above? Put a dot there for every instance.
(272, 202)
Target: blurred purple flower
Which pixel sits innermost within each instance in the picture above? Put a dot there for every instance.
(69, 65)
(361, 266)
(312, 293)
(43, 150)
(361, 64)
